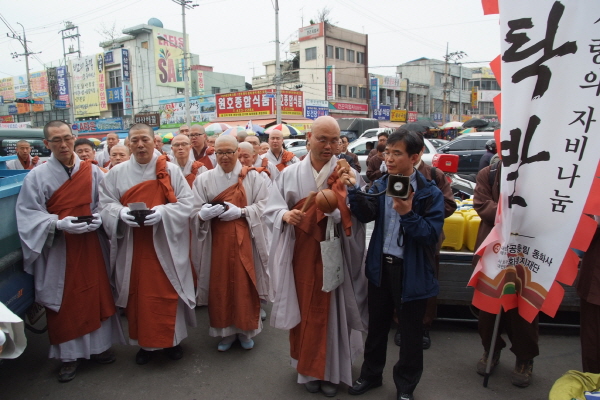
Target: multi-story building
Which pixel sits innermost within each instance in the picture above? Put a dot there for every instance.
(328, 64)
(436, 88)
(484, 88)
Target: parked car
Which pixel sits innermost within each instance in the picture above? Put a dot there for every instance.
(294, 143)
(359, 147)
(437, 143)
(369, 133)
(470, 147)
(298, 151)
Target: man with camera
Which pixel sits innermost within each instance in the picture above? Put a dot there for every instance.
(400, 261)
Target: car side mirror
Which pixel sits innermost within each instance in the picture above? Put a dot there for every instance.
(445, 150)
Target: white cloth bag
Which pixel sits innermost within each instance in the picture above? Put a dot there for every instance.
(331, 255)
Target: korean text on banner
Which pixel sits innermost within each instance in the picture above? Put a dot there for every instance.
(330, 77)
(63, 85)
(168, 57)
(85, 87)
(549, 155)
(7, 90)
(100, 76)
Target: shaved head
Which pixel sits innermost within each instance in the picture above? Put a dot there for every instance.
(180, 139)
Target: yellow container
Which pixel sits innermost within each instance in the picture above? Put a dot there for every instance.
(471, 231)
(454, 230)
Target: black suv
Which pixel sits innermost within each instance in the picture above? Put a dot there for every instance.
(470, 147)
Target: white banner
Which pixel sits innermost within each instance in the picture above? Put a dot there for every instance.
(550, 77)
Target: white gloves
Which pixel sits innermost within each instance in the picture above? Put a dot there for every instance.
(336, 215)
(208, 211)
(127, 218)
(233, 212)
(95, 224)
(69, 224)
(154, 218)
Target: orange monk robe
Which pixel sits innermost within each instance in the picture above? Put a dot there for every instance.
(244, 268)
(324, 328)
(167, 250)
(286, 159)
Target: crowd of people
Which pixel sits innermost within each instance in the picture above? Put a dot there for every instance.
(229, 225)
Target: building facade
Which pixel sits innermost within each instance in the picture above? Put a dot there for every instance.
(484, 88)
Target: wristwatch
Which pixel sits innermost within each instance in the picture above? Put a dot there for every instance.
(243, 213)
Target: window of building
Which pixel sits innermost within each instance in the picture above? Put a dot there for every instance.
(114, 78)
(117, 109)
(311, 53)
(145, 45)
(360, 57)
(329, 51)
(487, 108)
(341, 90)
(233, 90)
(339, 53)
(353, 91)
(362, 93)
(180, 90)
(215, 90)
(350, 55)
(489, 85)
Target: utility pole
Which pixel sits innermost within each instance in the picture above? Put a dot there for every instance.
(449, 56)
(186, 80)
(277, 66)
(70, 32)
(26, 53)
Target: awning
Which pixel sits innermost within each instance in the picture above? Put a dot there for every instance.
(389, 124)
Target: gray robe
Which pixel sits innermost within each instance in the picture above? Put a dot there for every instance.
(16, 163)
(171, 236)
(187, 168)
(347, 312)
(273, 171)
(271, 157)
(45, 253)
(206, 187)
(103, 156)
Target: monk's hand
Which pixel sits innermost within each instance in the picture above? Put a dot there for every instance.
(233, 212)
(348, 177)
(293, 217)
(70, 225)
(96, 223)
(155, 217)
(403, 206)
(209, 211)
(128, 218)
(35, 159)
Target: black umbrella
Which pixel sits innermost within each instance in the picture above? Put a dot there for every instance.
(415, 127)
(428, 123)
(475, 123)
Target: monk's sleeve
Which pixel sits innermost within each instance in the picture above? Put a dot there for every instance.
(110, 207)
(35, 224)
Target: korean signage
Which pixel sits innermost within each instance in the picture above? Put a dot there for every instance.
(101, 82)
(201, 83)
(474, 97)
(114, 95)
(382, 113)
(85, 87)
(108, 57)
(390, 82)
(168, 56)
(13, 110)
(39, 84)
(330, 79)
(7, 90)
(125, 65)
(258, 102)
(374, 89)
(412, 116)
(5, 119)
(311, 32)
(316, 108)
(152, 119)
(63, 86)
(348, 108)
(127, 98)
(172, 112)
(20, 87)
(100, 125)
(398, 115)
(549, 183)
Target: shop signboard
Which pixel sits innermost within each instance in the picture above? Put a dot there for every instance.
(114, 95)
(63, 85)
(382, 113)
(150, 119)
(330, 79)
(85, 87)
(348, 108)
(374, 88)
(258, 102)
(168, 57)
(100, 125)
(172, 111)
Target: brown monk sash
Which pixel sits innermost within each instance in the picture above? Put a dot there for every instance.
(308, 340)
(233, 297)
(339, 188)
(152, 303)
(285, 158)
(205, 159)
(87, 298)
(191, 177)
(28, 164)
(264, 167)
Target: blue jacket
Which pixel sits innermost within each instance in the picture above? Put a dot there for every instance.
(422, 228)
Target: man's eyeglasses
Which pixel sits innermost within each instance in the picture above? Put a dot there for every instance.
(177, 145)
(196, 135)
(224, 153)
(333, 142)
(66, 139)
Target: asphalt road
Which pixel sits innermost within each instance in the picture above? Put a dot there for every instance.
(265, 373)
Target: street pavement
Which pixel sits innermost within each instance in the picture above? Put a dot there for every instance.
(264, 372)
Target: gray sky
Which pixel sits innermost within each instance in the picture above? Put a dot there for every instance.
(234, 36)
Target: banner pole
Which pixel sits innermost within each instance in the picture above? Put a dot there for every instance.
(488, 366)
